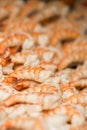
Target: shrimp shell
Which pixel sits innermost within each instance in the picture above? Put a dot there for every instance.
(31, 7)
(74, 46)
(43, 88)
(17, 39)
(47, 101)
(27, 25)
(63, 34)
(37, 74)
(76, 57)
(79, 73)
(23, 84)
(81, 83)
(28, 123)
(76, 118)
(79, 98)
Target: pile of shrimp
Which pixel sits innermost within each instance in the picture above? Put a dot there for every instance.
(43, 65)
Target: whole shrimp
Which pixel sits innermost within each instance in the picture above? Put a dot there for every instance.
(47, 54)
(27, 25)
(79, 84)
(63, 34)
(51, 9)
(37, 74)
(45, 100)
(39, 37)
(9, 11)
(80, 44)
(18, 39)
(43, 88)
(79, 73)
(79, 98)
(76, 57)
(75, 116)
(23, 123)
(24, 57)
(31, 7)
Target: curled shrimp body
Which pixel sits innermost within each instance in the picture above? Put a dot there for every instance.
(79, 73)
(23, 123)
(47, 54)
(76, 118)
(50, 10)
(79, 98)
(43, 88)
(9, 11)
(76, 57)
(22, 57)
(17, 40)
(45, 100)
(68, 48)
(81, 83)
(39, 37)
(63, 34)
(30, 7)
(38, 74)
(27, 25)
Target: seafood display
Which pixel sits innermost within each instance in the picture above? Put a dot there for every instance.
(43, 65)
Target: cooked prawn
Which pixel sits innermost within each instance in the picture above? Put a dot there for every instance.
(79, 98)
(31, 7)
(63, 34)
(76, 118)
(79, 84)
(23, 123)
(37, 74)
(76, 57)
(45, 100)
(17, 39)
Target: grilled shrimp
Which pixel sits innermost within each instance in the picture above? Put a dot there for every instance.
(43, 88)
(79, 84)
(18, 39)
(76, 57)
(23, 110)
(65, 23)
(45, 13)
(46, 54)
(31, 7)
(26, 25)
(22, 123)
(79, 73)
(76, 118)
(79, 98)
(78, 14)
(5, 91)
(50, 10)
(23, 84)
(48, 65)
(24, 57)
(39, 37)
(62, 77)
(74, 46)
(9, 11)
(45, 100)
(37, 74)
(63, 34)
